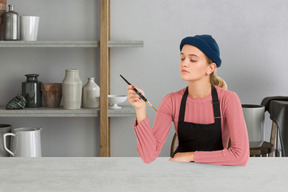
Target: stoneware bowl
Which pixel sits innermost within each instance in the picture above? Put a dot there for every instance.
(114, 100)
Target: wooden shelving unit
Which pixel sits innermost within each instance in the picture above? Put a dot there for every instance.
(103, 112)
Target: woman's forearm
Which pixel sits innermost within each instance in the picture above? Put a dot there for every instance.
(140, 114)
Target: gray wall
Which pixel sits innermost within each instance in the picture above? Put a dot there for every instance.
(251, 35)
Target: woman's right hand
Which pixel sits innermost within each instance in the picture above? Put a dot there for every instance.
(134, 99)
(137, 103)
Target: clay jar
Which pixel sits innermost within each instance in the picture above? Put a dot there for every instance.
(52, 93)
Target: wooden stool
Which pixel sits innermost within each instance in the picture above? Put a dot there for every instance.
(267, 148)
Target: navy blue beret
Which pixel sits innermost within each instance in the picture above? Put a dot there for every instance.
(206, 44)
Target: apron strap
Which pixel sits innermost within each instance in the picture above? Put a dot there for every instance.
(183, 105)
(216, 103)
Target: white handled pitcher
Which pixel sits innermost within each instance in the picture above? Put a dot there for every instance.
(26, 142)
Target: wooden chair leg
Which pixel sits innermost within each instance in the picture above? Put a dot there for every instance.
(273, 137)
(173, 143)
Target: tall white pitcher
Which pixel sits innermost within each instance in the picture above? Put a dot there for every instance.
(26, 142)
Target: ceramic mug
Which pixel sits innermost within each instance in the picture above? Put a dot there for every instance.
(29, 28)
(26, 142)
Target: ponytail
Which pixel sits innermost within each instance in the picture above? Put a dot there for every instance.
(217, 81)
(214, 79)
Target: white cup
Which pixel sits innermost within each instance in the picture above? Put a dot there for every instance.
(29, 28)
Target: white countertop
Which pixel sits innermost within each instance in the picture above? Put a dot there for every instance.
(131, 174)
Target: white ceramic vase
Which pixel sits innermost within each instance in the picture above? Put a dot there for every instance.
(90, 94)
(72, 89)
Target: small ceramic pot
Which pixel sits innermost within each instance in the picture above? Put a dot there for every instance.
(52, 93)
(18, 102)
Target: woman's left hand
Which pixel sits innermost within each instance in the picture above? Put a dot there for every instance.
(183, 157)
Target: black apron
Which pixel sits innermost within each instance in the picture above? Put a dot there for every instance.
(199, 137)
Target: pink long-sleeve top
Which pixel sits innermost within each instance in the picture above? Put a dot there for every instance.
(198, 110)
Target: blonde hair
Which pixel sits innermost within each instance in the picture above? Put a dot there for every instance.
(214, 79)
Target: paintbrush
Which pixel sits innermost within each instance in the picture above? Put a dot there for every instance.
(138, 93)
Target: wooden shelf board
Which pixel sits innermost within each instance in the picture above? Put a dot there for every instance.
(71, 44)
(49, 44)
(125, 44)
(125, 111)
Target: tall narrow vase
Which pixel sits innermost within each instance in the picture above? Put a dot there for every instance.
(72, 90)
(11, 24)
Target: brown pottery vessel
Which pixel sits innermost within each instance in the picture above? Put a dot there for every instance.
(52, 93)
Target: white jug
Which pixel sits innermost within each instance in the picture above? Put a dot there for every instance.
(26, 142)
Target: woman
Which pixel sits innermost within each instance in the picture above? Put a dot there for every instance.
(206, 115)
